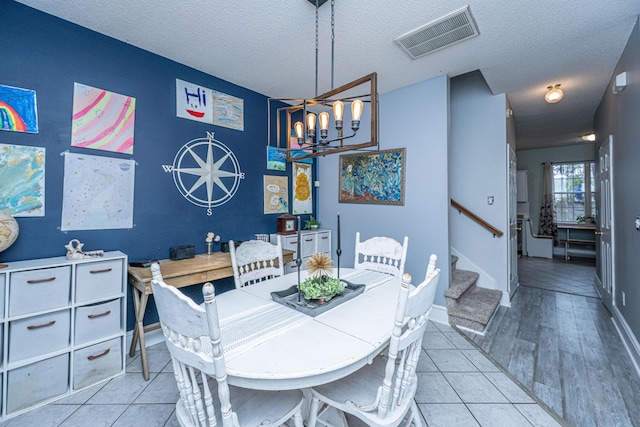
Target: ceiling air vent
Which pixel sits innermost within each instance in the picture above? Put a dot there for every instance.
(450, 29)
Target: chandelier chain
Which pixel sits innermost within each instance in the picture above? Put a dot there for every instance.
(333, 18)
(333, 37)
(317, 7)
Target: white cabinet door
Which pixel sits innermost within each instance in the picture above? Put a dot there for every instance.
(308, 244)
(523, 192)
(323, 242)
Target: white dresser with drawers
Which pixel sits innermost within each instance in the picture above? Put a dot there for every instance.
(62, 328)
(313, 241)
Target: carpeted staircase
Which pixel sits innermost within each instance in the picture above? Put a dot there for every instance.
(469, 306)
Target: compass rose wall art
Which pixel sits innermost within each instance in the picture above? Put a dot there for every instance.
(205, 105)
(206, 172)
(102, 120)
(18, 111)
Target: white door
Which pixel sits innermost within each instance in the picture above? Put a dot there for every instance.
(605, 283)
(512, 249)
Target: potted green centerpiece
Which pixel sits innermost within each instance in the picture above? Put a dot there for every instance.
(320, 286)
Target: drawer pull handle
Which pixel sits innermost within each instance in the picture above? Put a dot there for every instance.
(48, 279)
(93, 316)
(294, 242)
(104, 353)
(105, 270)
(324, 238)
(44, 325)
(308, 240)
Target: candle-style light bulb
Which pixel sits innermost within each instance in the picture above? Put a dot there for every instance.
(356, 113)
(299, 128)
(311, 125)
(338, 112)
(323, 118)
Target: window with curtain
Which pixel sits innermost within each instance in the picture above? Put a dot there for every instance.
(574, 187)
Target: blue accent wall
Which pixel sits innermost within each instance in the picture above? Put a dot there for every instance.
(48, 55)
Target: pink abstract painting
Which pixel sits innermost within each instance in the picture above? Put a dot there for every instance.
(102, 120)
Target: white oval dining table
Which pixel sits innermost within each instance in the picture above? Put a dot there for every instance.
(269, 346)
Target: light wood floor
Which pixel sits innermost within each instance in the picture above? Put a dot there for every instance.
(558, 340)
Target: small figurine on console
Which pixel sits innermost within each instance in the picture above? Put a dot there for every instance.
(74, 250)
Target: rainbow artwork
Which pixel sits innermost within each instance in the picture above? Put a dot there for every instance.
(102, 120)
(18, 109)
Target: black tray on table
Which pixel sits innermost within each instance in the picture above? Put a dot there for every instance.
(289, 297)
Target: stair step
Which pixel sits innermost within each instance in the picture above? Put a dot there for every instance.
(461, 281)
(454, 260)
(475, 308)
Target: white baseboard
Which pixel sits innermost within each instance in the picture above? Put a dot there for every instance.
(150, 338)
(439, 314)
(628, 338)
(505, 300)
(598, 285)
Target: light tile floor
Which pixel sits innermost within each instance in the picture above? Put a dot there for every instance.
(458, 386)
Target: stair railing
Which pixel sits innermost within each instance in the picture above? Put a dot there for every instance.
(461, 209)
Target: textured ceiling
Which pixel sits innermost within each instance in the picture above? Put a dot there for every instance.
(269, 47)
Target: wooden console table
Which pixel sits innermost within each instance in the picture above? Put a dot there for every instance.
(192, 271)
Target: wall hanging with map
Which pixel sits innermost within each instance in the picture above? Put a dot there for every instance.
(97, 192)
(102, 120)
(22, 180)
(206, 172)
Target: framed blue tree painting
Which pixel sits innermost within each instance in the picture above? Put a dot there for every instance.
(373, 177)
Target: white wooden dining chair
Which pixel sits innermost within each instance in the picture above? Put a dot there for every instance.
(382, 393)
(193, 337)
(382, 254)
(255, 260)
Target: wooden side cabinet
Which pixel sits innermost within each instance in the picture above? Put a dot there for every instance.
(62, 328)
(313, 241)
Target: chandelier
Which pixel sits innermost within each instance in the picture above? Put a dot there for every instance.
(308, 128)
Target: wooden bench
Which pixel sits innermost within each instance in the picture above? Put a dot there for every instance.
(568, 243)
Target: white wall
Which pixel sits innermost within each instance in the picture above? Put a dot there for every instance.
(414, 117)
(477, 170)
